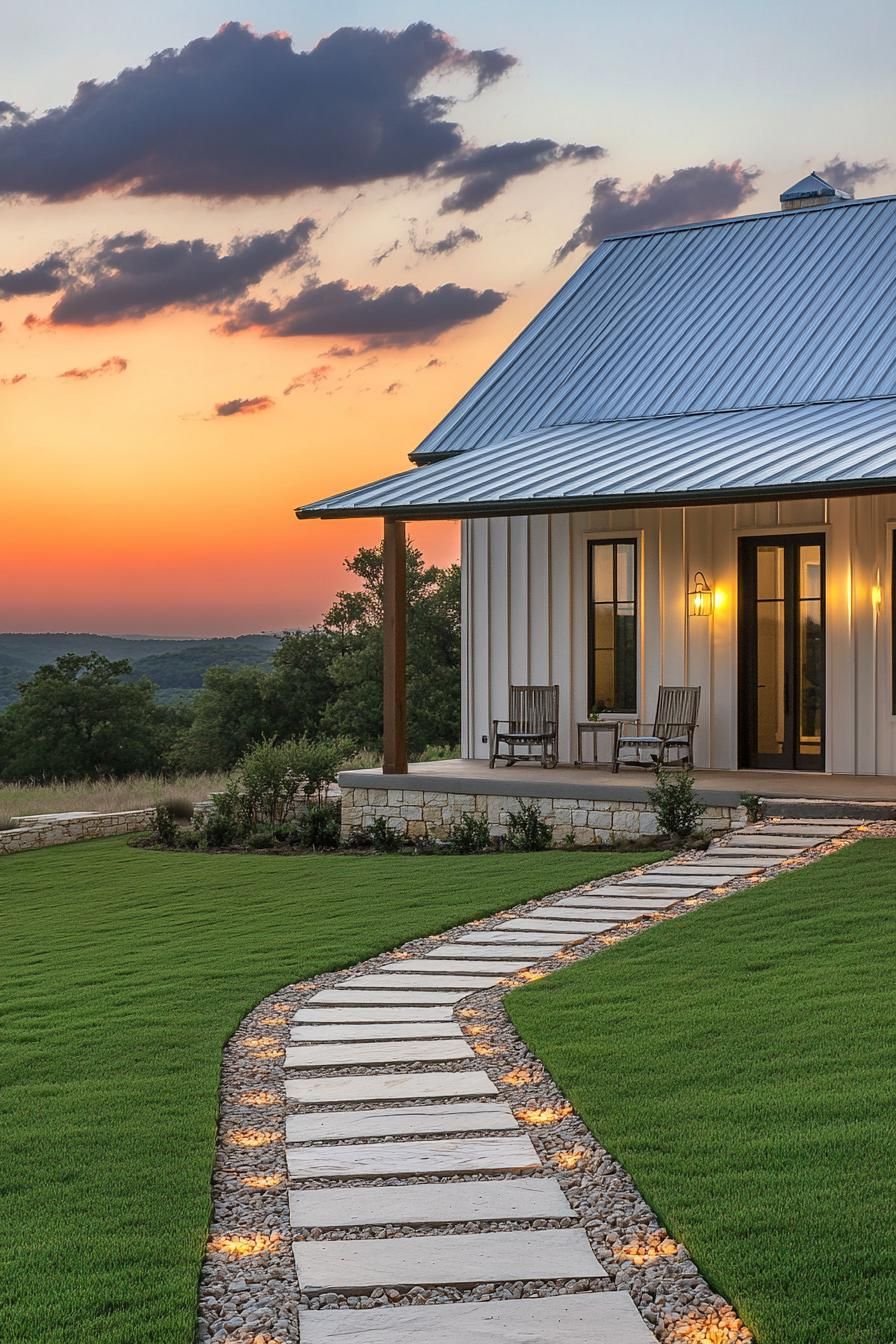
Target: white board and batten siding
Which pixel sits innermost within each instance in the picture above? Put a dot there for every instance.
(525, 617)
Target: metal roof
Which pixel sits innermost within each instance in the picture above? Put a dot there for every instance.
(765, 310)
(832, 448)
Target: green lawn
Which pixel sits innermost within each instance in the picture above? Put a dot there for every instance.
(739, 1063)
(122, 974)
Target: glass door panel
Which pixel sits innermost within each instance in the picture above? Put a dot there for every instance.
(781, 653)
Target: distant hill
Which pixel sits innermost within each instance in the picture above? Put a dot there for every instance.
(177, 666)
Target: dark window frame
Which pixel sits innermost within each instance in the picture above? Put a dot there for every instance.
(616, 542)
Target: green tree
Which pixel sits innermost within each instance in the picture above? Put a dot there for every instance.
(80, 717)
(355, 626)
(232, 711)
(302, 682)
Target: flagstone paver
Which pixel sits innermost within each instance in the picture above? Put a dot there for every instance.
(577, 1318)
(579, 928)
(388, 997)
(416, 1157)
(531, 951)
(347, 1088)
(440, 979)
(513, 936)
(456, 1117)
(523, 1197)
(458, 964)
(373, 1031)
(465, 1258)
(659, 895)
(649, 882)
(374, 1052)
(412, 1013)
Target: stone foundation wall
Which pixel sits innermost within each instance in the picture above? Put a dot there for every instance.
(64, 832)
(417, 813)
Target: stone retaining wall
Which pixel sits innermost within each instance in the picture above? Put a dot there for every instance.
(420, 812)
(64, 832)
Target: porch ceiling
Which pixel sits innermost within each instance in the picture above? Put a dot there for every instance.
(721, 788)
(824, 448)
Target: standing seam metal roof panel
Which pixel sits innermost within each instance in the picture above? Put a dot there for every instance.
(815, 448)
(769, 310)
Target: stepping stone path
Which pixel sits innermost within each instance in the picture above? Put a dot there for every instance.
(404, 1015)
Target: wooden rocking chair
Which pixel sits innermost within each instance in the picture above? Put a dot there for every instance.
(672, 739)
(534, 714)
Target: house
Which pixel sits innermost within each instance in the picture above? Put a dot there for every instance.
(708, 409)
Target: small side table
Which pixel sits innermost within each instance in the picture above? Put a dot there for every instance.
(595, 728)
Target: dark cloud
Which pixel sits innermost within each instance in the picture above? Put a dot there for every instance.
(243, 406)
(339, 352)
(380, 257)
(11, 115)
(132, 275)
(710, 191)
(310, 378)
(13, 379)
(524, 218)
(240, 114)
(393, 388)
(115, 364)
(485, 172)
(850, 176)
(431, 364)
(441, 247)
(45, 277)
(399, 315)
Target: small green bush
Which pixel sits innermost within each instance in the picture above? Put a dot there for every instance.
(752, 805)
(470, 835)
(318, 826)
(228, 822)
(383, 839)
(526, 830)
(672, 799)
(163, 827)
(263, 838)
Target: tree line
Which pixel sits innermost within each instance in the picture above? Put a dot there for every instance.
(84, 716)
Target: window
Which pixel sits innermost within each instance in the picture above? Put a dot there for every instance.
(613, 624)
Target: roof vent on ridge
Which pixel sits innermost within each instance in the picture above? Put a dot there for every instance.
(812, 190)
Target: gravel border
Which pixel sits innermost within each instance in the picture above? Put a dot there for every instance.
(248, 1292)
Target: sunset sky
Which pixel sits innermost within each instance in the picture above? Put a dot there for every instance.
(261, 251)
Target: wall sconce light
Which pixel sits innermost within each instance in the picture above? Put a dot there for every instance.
(700, 596)
(877, 594)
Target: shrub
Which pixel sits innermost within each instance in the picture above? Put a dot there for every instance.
(383, 838)
(438, 753)
(163, 827)
(526, 829)
(672, 799)
(318, 826)
(752, 805)
(470, 835)
(263, 838)
(228, 821)
(180, 808)
(270, 781)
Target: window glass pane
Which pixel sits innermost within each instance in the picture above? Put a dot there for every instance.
(625, 572)
(810, 571)
(811, 676)
(769, 572)
(603, 572)
(604, 678)
(626, 675)
(604, 625)
(770, 678)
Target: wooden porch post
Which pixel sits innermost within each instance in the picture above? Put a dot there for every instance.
(395, 612)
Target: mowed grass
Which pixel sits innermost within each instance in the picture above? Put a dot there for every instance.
(739, 1063)
(122, 974)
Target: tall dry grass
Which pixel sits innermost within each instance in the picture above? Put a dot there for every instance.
(105, 795)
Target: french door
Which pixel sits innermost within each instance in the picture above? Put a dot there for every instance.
(781, 662)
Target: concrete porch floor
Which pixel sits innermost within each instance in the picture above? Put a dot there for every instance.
(715, 787)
